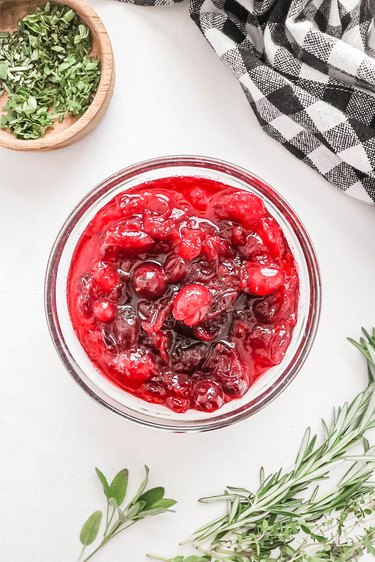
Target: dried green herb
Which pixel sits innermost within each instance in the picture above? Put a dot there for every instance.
(46, 70)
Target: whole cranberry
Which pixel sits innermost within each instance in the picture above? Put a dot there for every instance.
(253, 246)
(198, 198)
(135, 366)
(130, 204)
(156, 204)
(175, 268)
(231, 371)
(177, 403)
(274, 307)
(85, 300)
(109, 339)
(179, 384)
(206, 331)
(263, 279)
(153, 391)
(269, 343)
(94, 342)
(160, 228)
(104, 311)
(133, 223)
(273, 236)
(191, 304)
(106, 276)
(237, 235)
(242, 207)
(149, 281)
(90, 289)
(216, 247)
(126, 327)
(190, 245)
(235, 388)
(188, 358)
(208, 395)
(200, 271)
(129, 242)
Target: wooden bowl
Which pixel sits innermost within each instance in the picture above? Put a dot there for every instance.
(72, 128)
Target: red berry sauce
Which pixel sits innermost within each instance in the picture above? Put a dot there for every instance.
(183, 291)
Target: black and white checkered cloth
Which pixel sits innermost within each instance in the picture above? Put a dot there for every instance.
(307, 68)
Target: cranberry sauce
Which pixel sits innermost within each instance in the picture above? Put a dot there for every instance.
(182, 291)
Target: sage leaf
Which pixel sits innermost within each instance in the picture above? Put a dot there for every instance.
(164, 503)
(121, 515)
(104, 482)
(158, 507)
(142, 487)
(90, 528)
(134, 510)
(152, 496)
(118, 487)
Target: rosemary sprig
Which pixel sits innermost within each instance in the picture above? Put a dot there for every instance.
(366, 345)
(117, 519)
(289, 518)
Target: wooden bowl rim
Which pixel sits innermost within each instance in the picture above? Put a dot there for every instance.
(85, 11)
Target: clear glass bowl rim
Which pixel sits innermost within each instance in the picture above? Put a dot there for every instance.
(291, 369)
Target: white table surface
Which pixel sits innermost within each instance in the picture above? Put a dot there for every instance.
(173, 96)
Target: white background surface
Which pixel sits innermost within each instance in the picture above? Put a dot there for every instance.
(173, 95)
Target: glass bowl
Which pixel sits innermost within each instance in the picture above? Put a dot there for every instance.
(267, 386)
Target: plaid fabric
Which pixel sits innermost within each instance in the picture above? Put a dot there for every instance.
(307, 68)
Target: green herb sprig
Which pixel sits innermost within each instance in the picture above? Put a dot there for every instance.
(118, 518)
(46, 71)
(289, 518)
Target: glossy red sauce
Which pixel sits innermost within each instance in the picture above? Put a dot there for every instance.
(183, 291)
